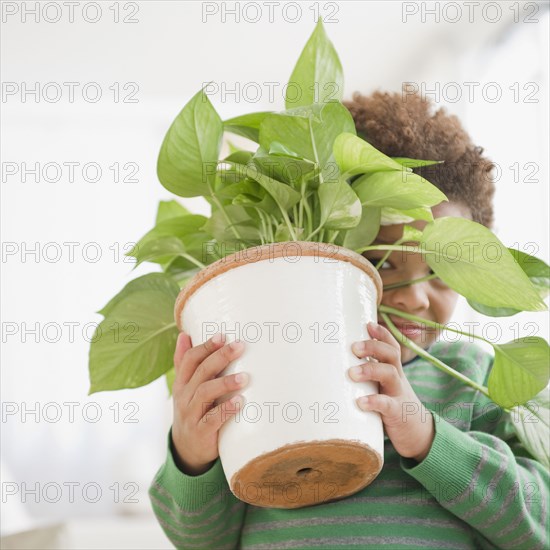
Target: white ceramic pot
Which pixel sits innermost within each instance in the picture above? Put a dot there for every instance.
(300, 438)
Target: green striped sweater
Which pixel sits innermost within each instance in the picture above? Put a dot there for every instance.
(476, 488)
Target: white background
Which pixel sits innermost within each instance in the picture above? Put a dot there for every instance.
(169, 53)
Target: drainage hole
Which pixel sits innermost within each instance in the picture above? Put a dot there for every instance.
(304, 471)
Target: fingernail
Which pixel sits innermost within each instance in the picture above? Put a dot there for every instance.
(237, 345)
(363, 401)
(358, 347)
(241, 378)
(354, 372)
(218, 338)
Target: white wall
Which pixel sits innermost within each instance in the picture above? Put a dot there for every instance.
(169, 54)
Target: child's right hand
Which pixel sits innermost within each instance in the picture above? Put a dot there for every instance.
(196, 386)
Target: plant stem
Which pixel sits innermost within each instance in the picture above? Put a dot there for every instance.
(399, 336)
(263, 234)
(313, 233)
(302, 199)
(315, 155)
(403, 248)
(333, 237)
(386, 255)
(193, 260)
(272, 222)
(316, 159)
(386, 309)
(288, 224)
(411, 282)
(224, 213)
(309, 216)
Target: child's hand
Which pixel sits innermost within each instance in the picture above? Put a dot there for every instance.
(196, 421)
(408, 423)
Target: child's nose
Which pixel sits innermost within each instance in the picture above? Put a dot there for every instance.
(412, 298)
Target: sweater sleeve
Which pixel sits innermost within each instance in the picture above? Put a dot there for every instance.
(196, 511)
(487, 478)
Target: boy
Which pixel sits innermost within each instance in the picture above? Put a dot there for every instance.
(454, 480)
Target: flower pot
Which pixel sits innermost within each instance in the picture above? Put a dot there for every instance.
(300, 438)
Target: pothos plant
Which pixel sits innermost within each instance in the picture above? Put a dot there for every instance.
(312, 178)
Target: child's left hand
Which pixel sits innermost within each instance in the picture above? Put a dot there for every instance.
(408, 423)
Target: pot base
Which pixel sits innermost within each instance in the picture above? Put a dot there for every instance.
(305, 474)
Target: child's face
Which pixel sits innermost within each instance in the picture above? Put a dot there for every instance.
(432, 300)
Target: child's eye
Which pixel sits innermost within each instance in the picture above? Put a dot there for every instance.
(374, 262)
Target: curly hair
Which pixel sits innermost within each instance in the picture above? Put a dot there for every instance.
(404, 126)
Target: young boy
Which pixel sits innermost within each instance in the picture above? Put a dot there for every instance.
(454, 476)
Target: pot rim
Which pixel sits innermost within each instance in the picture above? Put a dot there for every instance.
(270, 251)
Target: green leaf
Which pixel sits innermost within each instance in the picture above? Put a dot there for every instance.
(470, 259)
(189, 153)
(183, 281)
(391, 216)
(364, 233)
(282, 234)
(252, 205)
(411, 234)
(532, 426)
(170, 377)
(225, 178)
(493, 311)
(187, 228)
(415, 163)
(151, 282)
(276, 148)
(317, 76)
(163, 249)
(282, 193)
(356, 156)
(170, 209)
(218, 227)
(308, 131)
(538, 273)
(247, 185)
(135, 342)
(232, 147)
(229, 171)
(390, 189)
(537, 270)
(180, 268)
(179, 226)
(238, 157)
(283, 168)
(312, 111)
(247, 126)
(422, 213)
(340, 206)
(244, 200)
(188, 231)
(520, 371)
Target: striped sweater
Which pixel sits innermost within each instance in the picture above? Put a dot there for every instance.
(476, 488)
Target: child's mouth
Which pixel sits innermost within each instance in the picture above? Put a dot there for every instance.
(408, 328)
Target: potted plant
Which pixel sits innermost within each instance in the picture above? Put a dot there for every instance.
(283, 246)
